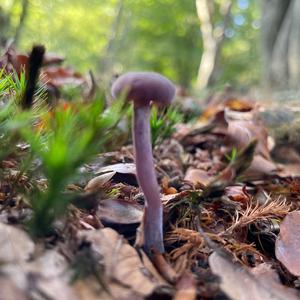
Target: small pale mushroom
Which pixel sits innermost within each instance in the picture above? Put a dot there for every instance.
(143, 88)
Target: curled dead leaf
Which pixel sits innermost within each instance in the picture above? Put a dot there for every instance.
(98, 182)
(9, 291)
(198, 177)
(237, 193)
(122, 264)
(239, 283)
(59, 76)
(243, 128)
(118, 172)
(127, 168)
(260, 168)
(117, 211)
(288, 243)
(15, 244)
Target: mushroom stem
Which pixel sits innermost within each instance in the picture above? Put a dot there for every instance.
(153, 215)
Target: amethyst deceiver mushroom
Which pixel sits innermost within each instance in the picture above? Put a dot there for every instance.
(143, 88)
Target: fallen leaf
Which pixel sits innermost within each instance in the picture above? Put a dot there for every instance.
(237, 193)
(117, 211)
(166, 189)
(52, 59)
(98, 182)
(118, 172)
(260, 168)
(122, 264)
(288, 243)
(238, 283)
(234, 169)
(15, 245)
(239, 104)
(9, 291)
(90, 289)
(12, 61)
(243, 128)
(51, 264)
(46, 275)
(265, 272)
(197, 176)
(60, 76)
(127, 168)
(186, 288)
(52, 288)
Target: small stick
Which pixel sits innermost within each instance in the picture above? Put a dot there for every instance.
(34, 64)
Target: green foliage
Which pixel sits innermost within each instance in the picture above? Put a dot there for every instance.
(161, 35)
(64, 140)
(163, 125)
(11, 88)
(232, 156)
(11, 84)
(240, 59)
(17, 85)
(61, 140)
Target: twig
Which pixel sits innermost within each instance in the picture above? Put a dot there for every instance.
(34, 64)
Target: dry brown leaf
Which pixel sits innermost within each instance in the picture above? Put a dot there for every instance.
(52, 59)
(9, 291)
(89, 289)
(265, 272)
(237, 193)
(197, 176)
(15, 245)
(288, 243)
(98, 182)
(260, 168)
(60, 76)
(118, 211)
(46, 275)
(122, 264)
(127, 168)
(186, 288)
(126, 171)
(238, 283)
(51, 264)
(52, 288)
(242, 131)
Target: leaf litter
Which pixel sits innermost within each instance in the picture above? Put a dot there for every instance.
(218, 173)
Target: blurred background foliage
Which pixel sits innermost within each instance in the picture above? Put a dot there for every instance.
(114, 36)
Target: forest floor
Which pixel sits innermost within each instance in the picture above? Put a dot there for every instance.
(230, 194)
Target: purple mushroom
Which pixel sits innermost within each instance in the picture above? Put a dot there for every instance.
(143, 88)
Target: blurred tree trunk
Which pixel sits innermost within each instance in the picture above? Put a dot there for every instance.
(25, 4)
(281, 44)
(4, 27)
(213, 37)
(107, 58)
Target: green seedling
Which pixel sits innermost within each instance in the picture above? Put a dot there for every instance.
(232, 156)
(65, 139)
(163, 125)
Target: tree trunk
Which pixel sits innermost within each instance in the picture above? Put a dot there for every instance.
(25, 4)
(105, 63)
(4, 27)
(213, 38)
(281, 44)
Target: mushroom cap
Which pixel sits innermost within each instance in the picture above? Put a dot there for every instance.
(144, 87)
